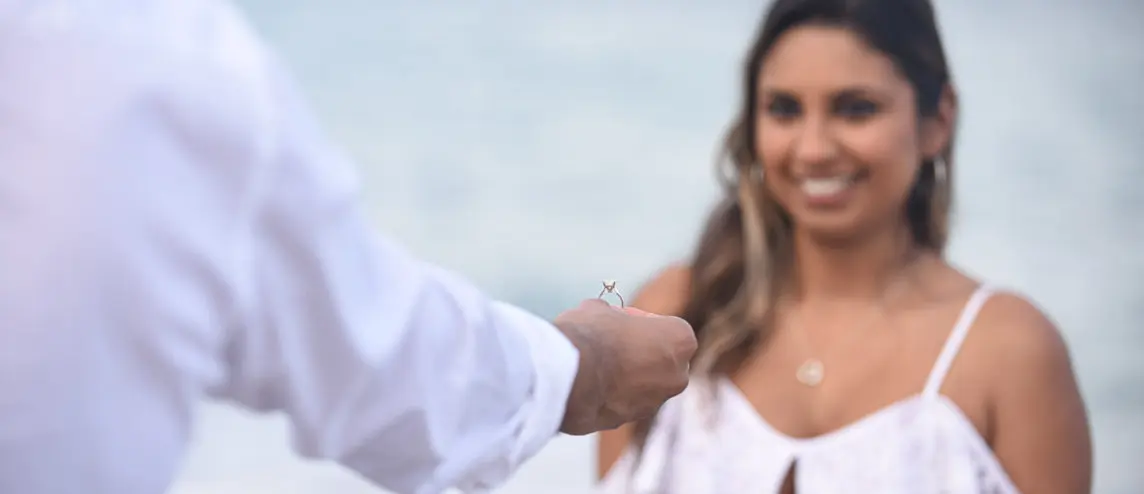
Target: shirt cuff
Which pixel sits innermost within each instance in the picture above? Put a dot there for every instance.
(555, 362)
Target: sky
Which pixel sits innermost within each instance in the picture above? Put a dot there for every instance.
(539, 147)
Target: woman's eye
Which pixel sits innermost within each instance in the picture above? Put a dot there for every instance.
(783, 108)
(856, 109)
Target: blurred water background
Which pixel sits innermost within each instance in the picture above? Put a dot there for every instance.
(538, 147)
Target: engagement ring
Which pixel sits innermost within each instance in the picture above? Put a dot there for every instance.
(610, 287)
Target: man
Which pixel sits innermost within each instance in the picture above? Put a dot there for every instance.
(172, 227)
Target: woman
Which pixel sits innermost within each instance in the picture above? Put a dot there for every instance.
(839, 351)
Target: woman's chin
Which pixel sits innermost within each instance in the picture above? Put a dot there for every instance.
(836, 227)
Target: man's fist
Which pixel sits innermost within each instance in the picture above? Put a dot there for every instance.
(630, 363)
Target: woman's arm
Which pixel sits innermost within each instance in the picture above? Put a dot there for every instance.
(1042, 434)
(665, 294)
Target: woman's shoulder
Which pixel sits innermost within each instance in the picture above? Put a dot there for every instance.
(1016, 345)
(1010, 337)
(665, 292)
(1009, 325)
(1019, 333)
(1037, 414)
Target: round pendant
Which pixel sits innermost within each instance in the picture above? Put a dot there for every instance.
(810, 372)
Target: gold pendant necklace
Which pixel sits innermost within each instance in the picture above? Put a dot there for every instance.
(810, 372)
(813, 371)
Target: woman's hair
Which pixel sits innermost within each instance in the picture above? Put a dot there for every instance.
(745, 252)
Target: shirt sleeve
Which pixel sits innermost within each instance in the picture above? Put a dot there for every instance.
(397, 369)
(173, 224)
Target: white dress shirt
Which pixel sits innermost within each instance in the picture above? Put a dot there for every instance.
(173, 226)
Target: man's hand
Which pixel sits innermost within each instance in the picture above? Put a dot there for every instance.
(630, 363)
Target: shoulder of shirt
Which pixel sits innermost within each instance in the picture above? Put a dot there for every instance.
(193, 74)
(206, 33)
(198, 62)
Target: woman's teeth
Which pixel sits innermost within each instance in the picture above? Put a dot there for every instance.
(821, 187)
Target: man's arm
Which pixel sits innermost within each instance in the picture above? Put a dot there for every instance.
(401, 371)
(175, 223)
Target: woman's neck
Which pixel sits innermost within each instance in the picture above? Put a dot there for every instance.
(862, 269)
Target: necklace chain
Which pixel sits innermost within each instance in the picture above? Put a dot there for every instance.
(813, 370)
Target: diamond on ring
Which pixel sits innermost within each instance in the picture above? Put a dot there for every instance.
(610, 287)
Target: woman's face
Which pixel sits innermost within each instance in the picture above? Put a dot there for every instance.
(837, 132)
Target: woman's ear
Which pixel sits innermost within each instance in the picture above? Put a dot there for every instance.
(938, 129)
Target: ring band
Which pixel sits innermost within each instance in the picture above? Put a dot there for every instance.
(610, 287)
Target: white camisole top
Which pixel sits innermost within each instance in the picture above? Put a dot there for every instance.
(710, 440)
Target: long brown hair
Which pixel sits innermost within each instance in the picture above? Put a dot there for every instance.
(745, 251)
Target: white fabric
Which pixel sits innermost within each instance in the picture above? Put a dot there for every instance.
(710, 440)
(173, 227)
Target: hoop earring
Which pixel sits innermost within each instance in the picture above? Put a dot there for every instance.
(940, 169)
(757, 173)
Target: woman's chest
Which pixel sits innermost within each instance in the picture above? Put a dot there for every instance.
(909, 447)
(854, 386)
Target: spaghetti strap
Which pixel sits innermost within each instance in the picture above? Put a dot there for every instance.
(956, 337)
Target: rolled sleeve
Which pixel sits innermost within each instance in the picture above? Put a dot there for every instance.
(555, 363)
